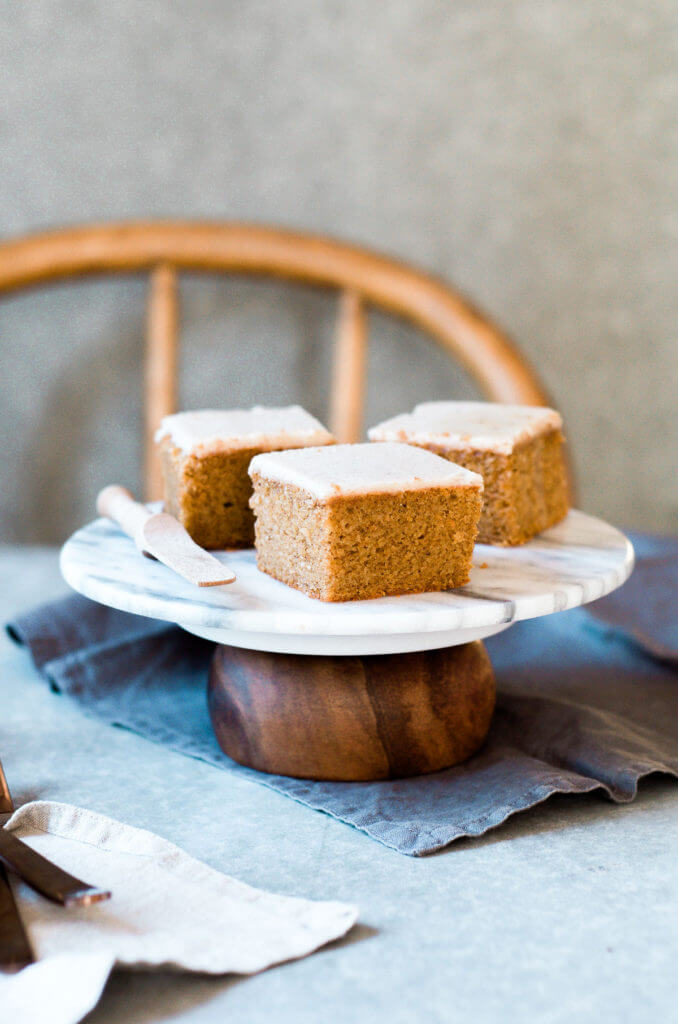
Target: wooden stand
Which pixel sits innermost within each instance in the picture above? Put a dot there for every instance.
(351, 718)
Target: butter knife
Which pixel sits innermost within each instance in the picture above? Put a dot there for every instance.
(15, 950)
(41, 874)
(163, 537)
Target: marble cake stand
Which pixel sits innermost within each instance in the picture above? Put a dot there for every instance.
(364, 689)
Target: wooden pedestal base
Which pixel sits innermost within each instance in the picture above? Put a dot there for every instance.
(349, 718)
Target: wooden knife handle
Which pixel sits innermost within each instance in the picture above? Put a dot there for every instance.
(118, 504)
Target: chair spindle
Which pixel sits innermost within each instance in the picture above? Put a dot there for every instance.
(161, 366)
(348, 378)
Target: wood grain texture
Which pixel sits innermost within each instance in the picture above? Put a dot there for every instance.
(351, 719)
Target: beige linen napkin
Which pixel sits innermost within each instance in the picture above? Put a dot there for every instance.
(168, 909)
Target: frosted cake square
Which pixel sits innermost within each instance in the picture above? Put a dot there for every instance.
(205, 455)
(348, 522)
(517, 450)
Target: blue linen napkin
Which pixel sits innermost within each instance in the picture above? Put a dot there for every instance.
(645, 609)
(587, 701)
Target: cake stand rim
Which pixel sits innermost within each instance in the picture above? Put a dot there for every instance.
(438, 620)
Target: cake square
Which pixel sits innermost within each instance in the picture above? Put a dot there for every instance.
(205, 455)
(517, 449)
(356, 521)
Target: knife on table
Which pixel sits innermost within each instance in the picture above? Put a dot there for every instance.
(15, 950)
(161, 536)
(41, 874)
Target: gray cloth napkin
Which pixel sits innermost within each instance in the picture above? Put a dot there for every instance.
(584, 704)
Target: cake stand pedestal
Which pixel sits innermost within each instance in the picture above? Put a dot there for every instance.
(351, 718)
(360, 690)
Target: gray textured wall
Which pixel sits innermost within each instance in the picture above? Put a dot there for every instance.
(525, 150)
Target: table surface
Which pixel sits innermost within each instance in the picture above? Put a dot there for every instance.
(566, 913)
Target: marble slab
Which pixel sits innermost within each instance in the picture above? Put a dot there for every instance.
(577, 561)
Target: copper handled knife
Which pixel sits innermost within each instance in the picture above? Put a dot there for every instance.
(15, 949)
(163, 537)
(41, 874)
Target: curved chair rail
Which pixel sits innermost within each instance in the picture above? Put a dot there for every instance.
(164, 248)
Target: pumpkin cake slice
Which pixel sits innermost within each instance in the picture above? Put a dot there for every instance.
(357, 521)
(517, 449)
(205, 455)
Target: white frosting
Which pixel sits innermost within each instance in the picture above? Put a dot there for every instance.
(211, 430)
(487, 426)
(346, 469)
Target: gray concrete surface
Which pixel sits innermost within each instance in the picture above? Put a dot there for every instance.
(525, 149)
(566, 913)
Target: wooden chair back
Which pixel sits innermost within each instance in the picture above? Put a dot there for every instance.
(363, 278)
